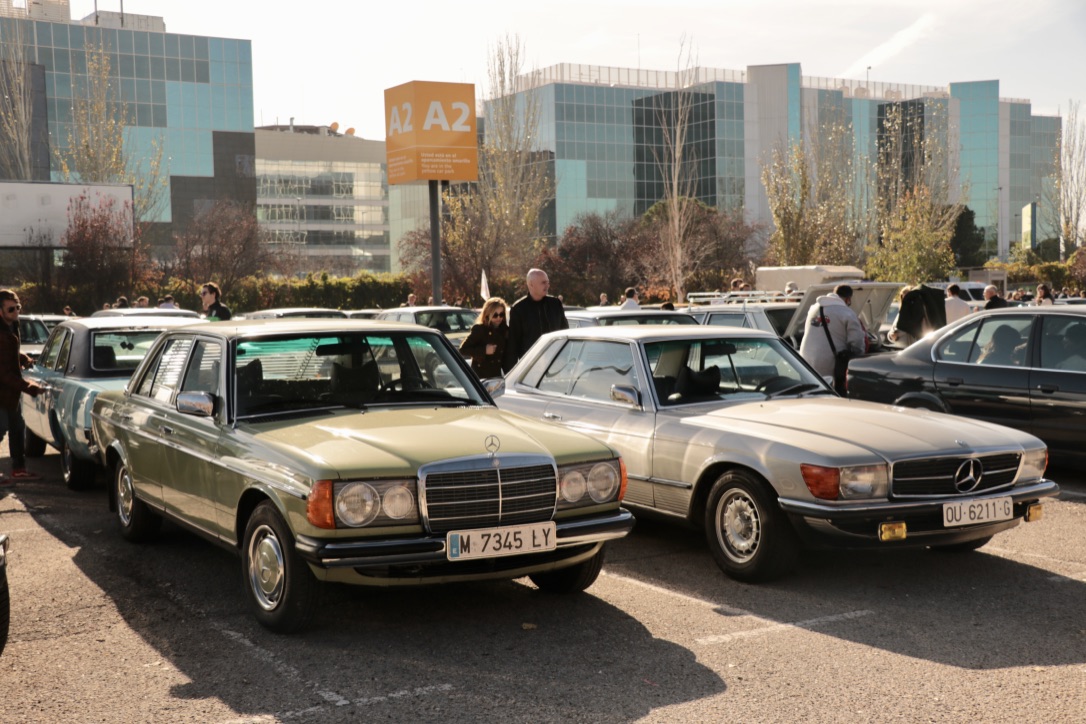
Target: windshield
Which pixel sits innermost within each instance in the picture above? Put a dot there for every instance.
(362, 369)
(32, 331)
(701, 370)
(454, 320)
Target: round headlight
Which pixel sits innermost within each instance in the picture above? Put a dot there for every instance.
(602, 482)
(398, 502)
(357, 504)
(573, 486)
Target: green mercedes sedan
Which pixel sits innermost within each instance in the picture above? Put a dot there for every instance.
(350, 451)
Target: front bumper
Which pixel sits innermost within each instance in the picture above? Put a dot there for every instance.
(372, 557)
(856, 525)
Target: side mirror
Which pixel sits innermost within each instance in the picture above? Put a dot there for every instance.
(198, 404)
(626, 394)
(495, 386)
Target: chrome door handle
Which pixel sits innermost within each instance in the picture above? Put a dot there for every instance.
(1048, 388)
(551, 416)
(167, 430)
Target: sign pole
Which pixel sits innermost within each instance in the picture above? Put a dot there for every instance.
(435, 240)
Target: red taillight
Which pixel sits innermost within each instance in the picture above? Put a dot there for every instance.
(318, 509)
(824, 483)
(622, 479)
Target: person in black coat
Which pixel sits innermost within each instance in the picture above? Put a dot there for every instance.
(531, 317)
(993, 300)
(485, 344)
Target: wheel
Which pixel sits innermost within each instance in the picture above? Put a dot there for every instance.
(748, 535)
(33, 446)
(966, 547)
(136, 520)
(279, 584)
(78, 474)
(573, 579)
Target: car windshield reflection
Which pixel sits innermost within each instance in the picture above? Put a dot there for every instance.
(297, 373)
(704, 370)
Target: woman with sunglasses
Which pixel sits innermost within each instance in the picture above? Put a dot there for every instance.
(485, 345)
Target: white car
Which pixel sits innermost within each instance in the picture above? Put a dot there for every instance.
(729, 429)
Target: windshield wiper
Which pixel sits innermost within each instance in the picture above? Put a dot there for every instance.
(799, 387)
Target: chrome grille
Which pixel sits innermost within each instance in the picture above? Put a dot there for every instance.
(476, 493)
(934, 477)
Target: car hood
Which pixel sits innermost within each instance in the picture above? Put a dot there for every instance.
(870, 300)
(834, 427)
(386, 442)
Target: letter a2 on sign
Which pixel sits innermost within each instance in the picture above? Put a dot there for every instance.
(430, 132)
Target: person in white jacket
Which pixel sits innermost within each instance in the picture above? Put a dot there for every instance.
(956, 307)
(844, 327)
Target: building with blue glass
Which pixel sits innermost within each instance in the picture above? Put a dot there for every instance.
(190, 94)
(602, 126)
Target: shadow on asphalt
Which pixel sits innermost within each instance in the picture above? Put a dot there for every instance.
(491, 650)
(961, 609)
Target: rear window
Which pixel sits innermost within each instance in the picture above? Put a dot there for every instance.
(120, 350)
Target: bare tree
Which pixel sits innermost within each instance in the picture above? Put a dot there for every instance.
(1068, 200)
(97, 149)
(16, 104)
(494, 224)
(674, 251)
(223, 244)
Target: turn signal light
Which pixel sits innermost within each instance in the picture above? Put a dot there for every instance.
(823, 482)
(894, 530)
(318, 509)
(1034, 512)
(622, 479)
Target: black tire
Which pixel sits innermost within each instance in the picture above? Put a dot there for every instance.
(78, 474)
(33, 446)
(967, 547)
(5, 608)
(136, 521)
(278, 583)
(573, 579)
(748, 535)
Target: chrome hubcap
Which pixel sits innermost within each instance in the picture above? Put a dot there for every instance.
(266, 568)
(739, 529)
(125, 498)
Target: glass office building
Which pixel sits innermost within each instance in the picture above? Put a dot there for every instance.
(602, 125)
(191, 94)
(323, 196)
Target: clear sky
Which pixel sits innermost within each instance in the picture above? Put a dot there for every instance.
(330, 60)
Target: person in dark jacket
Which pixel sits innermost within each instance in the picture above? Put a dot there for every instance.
(485, 344)
(922, 310)
(12, 385)
(214, 309)
(531, 317)
(992, 297)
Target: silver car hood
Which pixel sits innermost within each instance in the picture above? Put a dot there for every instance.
(833, 424)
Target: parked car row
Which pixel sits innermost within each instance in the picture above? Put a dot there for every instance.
(367, 452)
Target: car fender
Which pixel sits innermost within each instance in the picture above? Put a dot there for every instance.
(923, 400)
(110, 456)
(715, 466)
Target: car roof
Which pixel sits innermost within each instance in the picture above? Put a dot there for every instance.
(432, 308)
(660, 332)
(625, 313)
(283, 311)
(146, 312)
(243, 328)
(128, 321)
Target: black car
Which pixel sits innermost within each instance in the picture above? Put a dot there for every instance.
(1023, 367)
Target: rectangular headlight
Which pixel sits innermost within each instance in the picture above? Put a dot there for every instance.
(1034, 463)
(864, 481)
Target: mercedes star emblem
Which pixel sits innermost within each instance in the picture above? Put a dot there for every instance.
(492, 444)
(968, 476)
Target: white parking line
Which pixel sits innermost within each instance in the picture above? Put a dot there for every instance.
(771, 627)
(402, 694)
(779, 627)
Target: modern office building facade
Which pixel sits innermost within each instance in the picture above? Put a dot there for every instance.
(602, 126)
(323, 196)
(191, 95)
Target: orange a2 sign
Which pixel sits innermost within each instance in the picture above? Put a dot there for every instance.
(430, 132)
